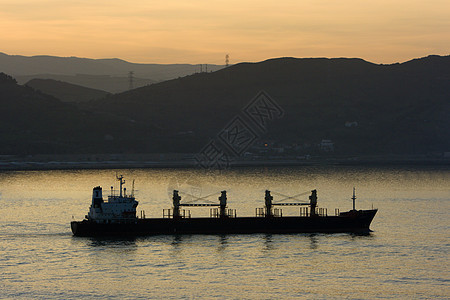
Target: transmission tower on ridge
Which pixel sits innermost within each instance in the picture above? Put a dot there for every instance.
(130, 80)
(227, 60)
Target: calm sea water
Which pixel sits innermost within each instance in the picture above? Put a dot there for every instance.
(406, 256)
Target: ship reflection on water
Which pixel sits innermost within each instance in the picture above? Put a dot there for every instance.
(314, 241)
(220, 242)
(112, 242)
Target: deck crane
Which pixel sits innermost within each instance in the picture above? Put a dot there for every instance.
(270, 212)
(222, 213)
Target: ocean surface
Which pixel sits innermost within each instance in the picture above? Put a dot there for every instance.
(406, 256)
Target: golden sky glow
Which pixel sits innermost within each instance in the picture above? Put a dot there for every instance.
(195, 31)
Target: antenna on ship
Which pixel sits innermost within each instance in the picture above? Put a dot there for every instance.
(132, 189)
(354, 198)
(121, 181)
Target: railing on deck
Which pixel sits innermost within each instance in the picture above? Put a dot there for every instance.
(261, 212)
(168, 213)
(277, 212)
(304, 211)
(215, 213)
(321, 212)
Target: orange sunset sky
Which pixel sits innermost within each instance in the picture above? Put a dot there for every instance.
(194, 31)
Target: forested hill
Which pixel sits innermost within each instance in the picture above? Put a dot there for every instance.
(361, 107)
(399, 108)
(32, 122)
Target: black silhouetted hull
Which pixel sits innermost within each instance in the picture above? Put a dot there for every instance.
(353, 221)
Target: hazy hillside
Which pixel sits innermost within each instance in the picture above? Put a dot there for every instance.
(64, 91)
(23, 68)
(33, 122)
(111, 84)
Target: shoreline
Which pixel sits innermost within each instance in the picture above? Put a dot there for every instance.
(175, 164)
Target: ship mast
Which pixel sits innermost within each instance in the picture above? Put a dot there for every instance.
(122, 181)
(354, 198)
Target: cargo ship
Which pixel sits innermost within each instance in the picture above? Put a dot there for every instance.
(116, 216)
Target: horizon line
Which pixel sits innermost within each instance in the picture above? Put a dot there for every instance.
(193, 64)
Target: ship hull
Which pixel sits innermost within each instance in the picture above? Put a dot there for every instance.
(352, 222)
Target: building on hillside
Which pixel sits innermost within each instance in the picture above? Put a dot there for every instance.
(351, 124)
(326, 146)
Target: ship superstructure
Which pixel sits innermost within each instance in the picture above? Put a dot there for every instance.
(118, 208)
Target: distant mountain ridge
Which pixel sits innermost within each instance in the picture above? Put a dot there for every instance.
(31, 65)
(111, 84)
(111, 75)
